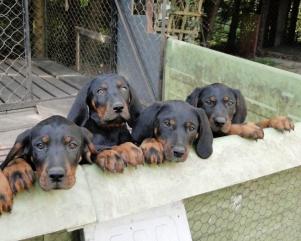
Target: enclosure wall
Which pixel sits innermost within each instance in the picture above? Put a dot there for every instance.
(268, 91)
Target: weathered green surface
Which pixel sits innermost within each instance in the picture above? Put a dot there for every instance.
(269, 91)
(234, 160)
(265, 209)
(37, 212)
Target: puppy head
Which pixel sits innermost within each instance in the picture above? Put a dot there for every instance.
(107, 99)
(54, 146)
(177, 125)
(222, 105)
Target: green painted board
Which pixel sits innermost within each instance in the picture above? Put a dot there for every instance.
(37, 212)
(269, 91)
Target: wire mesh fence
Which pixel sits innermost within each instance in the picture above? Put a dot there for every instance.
(14, 66)
(264, 209)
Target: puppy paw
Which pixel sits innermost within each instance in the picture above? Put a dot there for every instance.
(282, 123)
(130, 153)
(251, 131)
(19, 175)
(247, 130)
(152, 151)
(110, 160)
(6, 195)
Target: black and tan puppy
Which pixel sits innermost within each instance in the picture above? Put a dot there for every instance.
(167, 129)
(105, 105)
(53, 148)
(226, 110)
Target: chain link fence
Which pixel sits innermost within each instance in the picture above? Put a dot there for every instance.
(14, 52)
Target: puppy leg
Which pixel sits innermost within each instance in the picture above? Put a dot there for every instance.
(152, 150)
(281, 123)
(6, 195)
(19, 175)
(110, 160)
(130, 153)
(247, 130)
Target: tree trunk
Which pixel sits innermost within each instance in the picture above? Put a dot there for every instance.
(39, 28)
(272, 23)
(263, 24)
(234, 25)
(212, 13)
(283, 10)
(293, 21)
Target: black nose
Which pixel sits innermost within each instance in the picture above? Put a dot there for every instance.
(56, 174)
(178, 151)
(118, 107)
(220, 121)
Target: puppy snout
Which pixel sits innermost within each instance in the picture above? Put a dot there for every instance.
(220, 121)
(178, 151)
(118, 107)
(56, 174)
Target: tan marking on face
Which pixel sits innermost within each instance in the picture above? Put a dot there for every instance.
(45, 139)
(226, 98)
(119, 83)
(212, 98)
(67, 139)
(101, 110)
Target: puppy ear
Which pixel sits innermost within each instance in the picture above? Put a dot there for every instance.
(194, 97)
(144, 127)
(20, 148)
(89, 148)
(79, 112)
(205, 137)
(135, 107)
(241, 108)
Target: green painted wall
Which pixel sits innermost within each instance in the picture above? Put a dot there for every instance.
(267, 209)
(269, 91)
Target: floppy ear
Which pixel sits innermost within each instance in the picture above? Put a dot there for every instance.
(79, 112)
(144, 127)
(135, 107)
(193, 98)
(241, 108)
(89, 148)
(20, 148)
(205, 137)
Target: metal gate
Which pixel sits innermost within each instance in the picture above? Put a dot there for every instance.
(15, 55)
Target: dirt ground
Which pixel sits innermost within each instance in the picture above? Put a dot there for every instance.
(284, 57)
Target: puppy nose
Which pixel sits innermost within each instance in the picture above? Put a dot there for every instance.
(220, 121)
(178, 151)
(118, 107)
(56, 174)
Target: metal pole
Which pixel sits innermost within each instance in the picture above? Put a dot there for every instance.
(27, 50)
(162, 51)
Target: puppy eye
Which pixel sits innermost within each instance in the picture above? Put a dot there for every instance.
(209, 102)
(100, 91)
(124, 88)
(72, 145)
(40, 145)
(230, 102)
(167, 123)
(191, 128)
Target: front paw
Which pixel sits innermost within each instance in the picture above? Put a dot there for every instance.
(282, 123)
(251, 131)
(130, 153)
(19, 175)
(110, 160)
(6, 195)
(152, 151)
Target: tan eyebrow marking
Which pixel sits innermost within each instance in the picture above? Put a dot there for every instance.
(45, 139)
(67, 139)
(226, 98)
(212, 98)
